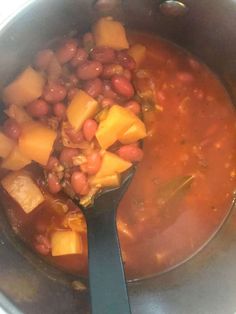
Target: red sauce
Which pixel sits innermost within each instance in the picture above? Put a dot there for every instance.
(191, 137)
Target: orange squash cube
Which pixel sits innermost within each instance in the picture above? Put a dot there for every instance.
(36, 142)
(15, 160)
(27, 87)
(18, 113)
(6, 145)
(118, 121)
(107, 181)
(110, 33)
(135, 133)
(138, 53)
(66, 243)
(81, 108)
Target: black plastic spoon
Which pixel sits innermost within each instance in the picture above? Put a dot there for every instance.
(107, 282)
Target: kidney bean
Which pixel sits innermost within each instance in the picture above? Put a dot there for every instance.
(103, 54)
(59, 110)
(80, 57)
(93, 163)
(111, 69)
(107, 90)
(125, 60)
(74, 135)
(42, 244)
(38, 108)
(67, 51)
(89, 129)
(12, 129)
(127, 74)
(93, 87)
(130, 153)
(71, 93)
(185, 77)
(54, 93)
(43, 58)
(106, 102)
(54, 185)
(79, 183)
(133, 106)
(89, 70)
(67, 154)
(88, 41)
(73, 80)
(122, 86)
(52, 163)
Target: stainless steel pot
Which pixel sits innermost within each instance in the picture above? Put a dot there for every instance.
(206, 283)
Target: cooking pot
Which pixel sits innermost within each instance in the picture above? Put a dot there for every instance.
(207, 282)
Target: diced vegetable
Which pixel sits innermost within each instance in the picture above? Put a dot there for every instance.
(18, 113)
(108, 181)
(138, 53)
(118, 121)
(136, 132)
(6, 145)
(23, 190)
(36, 142)
(75, 221)
(15, 160)
(27, 87)
(112, 164)
(110, 33)
(66, 243)
(81, 108)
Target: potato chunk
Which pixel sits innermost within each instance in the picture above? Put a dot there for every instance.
(136, 132)
(6, 145)
(66, 243)
(36, 142)
(112, 164)
(81, 108)
(118, 121)
(110, 33)
(15, 160)
(138, 53)
(27, 87)
(18, 113)
(107, 181)
(20, 186)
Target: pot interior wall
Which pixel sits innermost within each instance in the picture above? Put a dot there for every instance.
(206, 283)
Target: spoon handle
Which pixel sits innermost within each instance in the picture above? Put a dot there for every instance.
(108, 289)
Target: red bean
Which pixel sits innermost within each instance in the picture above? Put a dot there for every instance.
(43, 59)
(38, 108)
(127, 73)
(89, 129)
(67, 51)
(54, 93)
(130, 153)
(88, 41)
(71, 93)
(126, 60)
(59, 110)
(111, 69)
(12, 129)
(107, 90)
(52, 163)
(80, 57)
(93, 163)
(42, 244)
(79, 183)
(103, 54)
(89, 70)
(74, 135)
(93, 87)
(185, 77)
(73, 80)
(122, 86)
(133, 106)
(54, 185)
(106, 102)
(67, 154)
